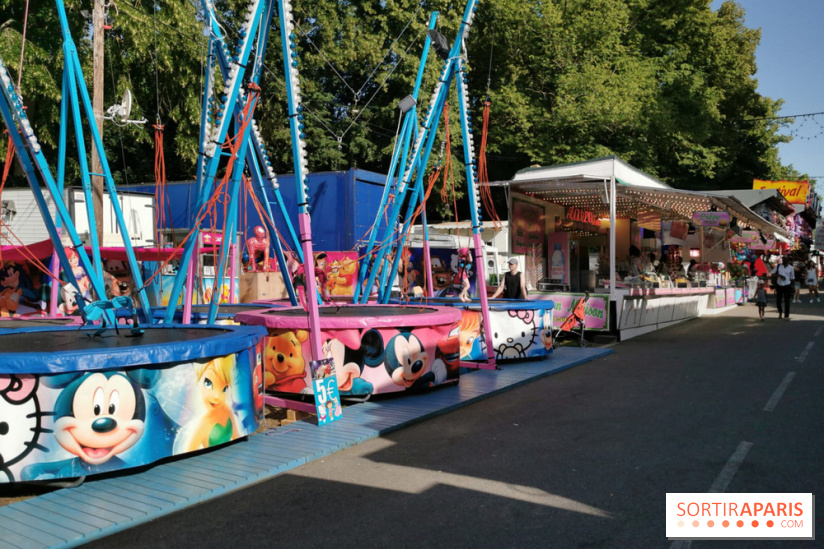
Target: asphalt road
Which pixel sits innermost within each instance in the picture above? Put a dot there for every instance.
(580, 459)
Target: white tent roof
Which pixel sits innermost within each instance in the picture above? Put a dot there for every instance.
(599, 169)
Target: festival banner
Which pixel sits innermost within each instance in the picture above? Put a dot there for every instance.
(710, 219)
(796, 192)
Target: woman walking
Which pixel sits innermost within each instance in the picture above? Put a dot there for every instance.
(811, 280)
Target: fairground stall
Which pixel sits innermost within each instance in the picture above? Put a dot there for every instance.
(649, 255)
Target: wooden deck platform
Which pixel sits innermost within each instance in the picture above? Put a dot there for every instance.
(72, 516)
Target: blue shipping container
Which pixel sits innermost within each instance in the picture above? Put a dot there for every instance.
(343, 206)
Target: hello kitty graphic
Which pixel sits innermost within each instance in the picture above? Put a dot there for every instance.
(20, 421)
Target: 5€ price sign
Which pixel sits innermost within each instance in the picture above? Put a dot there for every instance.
(325, 386)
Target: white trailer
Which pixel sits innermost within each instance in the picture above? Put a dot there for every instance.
(19, 212)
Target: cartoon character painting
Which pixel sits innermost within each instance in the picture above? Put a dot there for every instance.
(217, 423)
(69, 295)
(20, 421)
(10, 292)
(97, 417)
(545, 335)
(208, 292)
(469, 330)
(117, 278)
(407, 362)
(351, 355)
(342, 276)
(441, 274)
(284, 362)
(513, 334)
(79, 274)
(448, 351)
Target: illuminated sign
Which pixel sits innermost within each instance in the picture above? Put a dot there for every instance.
(582, 216)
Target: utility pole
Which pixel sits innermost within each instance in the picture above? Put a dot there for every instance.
(98, 18)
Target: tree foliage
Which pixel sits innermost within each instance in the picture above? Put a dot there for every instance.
(668, 86)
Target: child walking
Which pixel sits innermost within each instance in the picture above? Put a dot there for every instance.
(761, 299)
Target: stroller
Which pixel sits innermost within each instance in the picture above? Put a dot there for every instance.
(569, 325)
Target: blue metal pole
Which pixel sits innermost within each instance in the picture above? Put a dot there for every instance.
(475, 207)
(70, 94)
(231, 91)
(403, 143)
(110, 187)
(439, 98)
(11, 109)
(16, 112)
(296, 127)
(230, 221)
(426, 133)
(417, 189)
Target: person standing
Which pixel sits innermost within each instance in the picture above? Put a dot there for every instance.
(811, 280)
(761, 299)
(785, 277)
(799, 278)
(513, 285)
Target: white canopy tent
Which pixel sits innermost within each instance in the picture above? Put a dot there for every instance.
(609, 187)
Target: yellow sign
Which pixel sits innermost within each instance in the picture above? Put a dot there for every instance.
(796, 192)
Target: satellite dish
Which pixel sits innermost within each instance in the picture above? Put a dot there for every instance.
(119, 112)
(125, 106)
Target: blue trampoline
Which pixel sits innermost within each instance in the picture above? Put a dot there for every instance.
(73, 405)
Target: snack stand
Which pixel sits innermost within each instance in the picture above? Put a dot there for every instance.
(593, 227)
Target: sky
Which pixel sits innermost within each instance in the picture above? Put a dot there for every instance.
(790, 61)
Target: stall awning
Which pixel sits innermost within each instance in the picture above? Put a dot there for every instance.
(638, 196)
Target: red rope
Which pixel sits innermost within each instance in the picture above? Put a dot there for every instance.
(243, 121)
(483, 176)
(6, 170)
(160, 181)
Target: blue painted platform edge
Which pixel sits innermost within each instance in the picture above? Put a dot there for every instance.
(364, 421)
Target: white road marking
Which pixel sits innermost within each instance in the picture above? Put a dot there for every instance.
(819, 330)
(806, 351)
(776, 396)
(721, 482)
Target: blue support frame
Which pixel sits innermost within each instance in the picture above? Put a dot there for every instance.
(216, 135)
(401, 150)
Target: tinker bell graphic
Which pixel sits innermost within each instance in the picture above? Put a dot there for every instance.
(217, 423)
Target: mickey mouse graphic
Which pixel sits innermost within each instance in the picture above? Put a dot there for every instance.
(407, 362)
(350, 359)
(98, 415)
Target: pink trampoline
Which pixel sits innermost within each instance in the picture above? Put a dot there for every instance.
(377, 349)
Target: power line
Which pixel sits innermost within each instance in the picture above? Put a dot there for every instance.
(783, 117)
